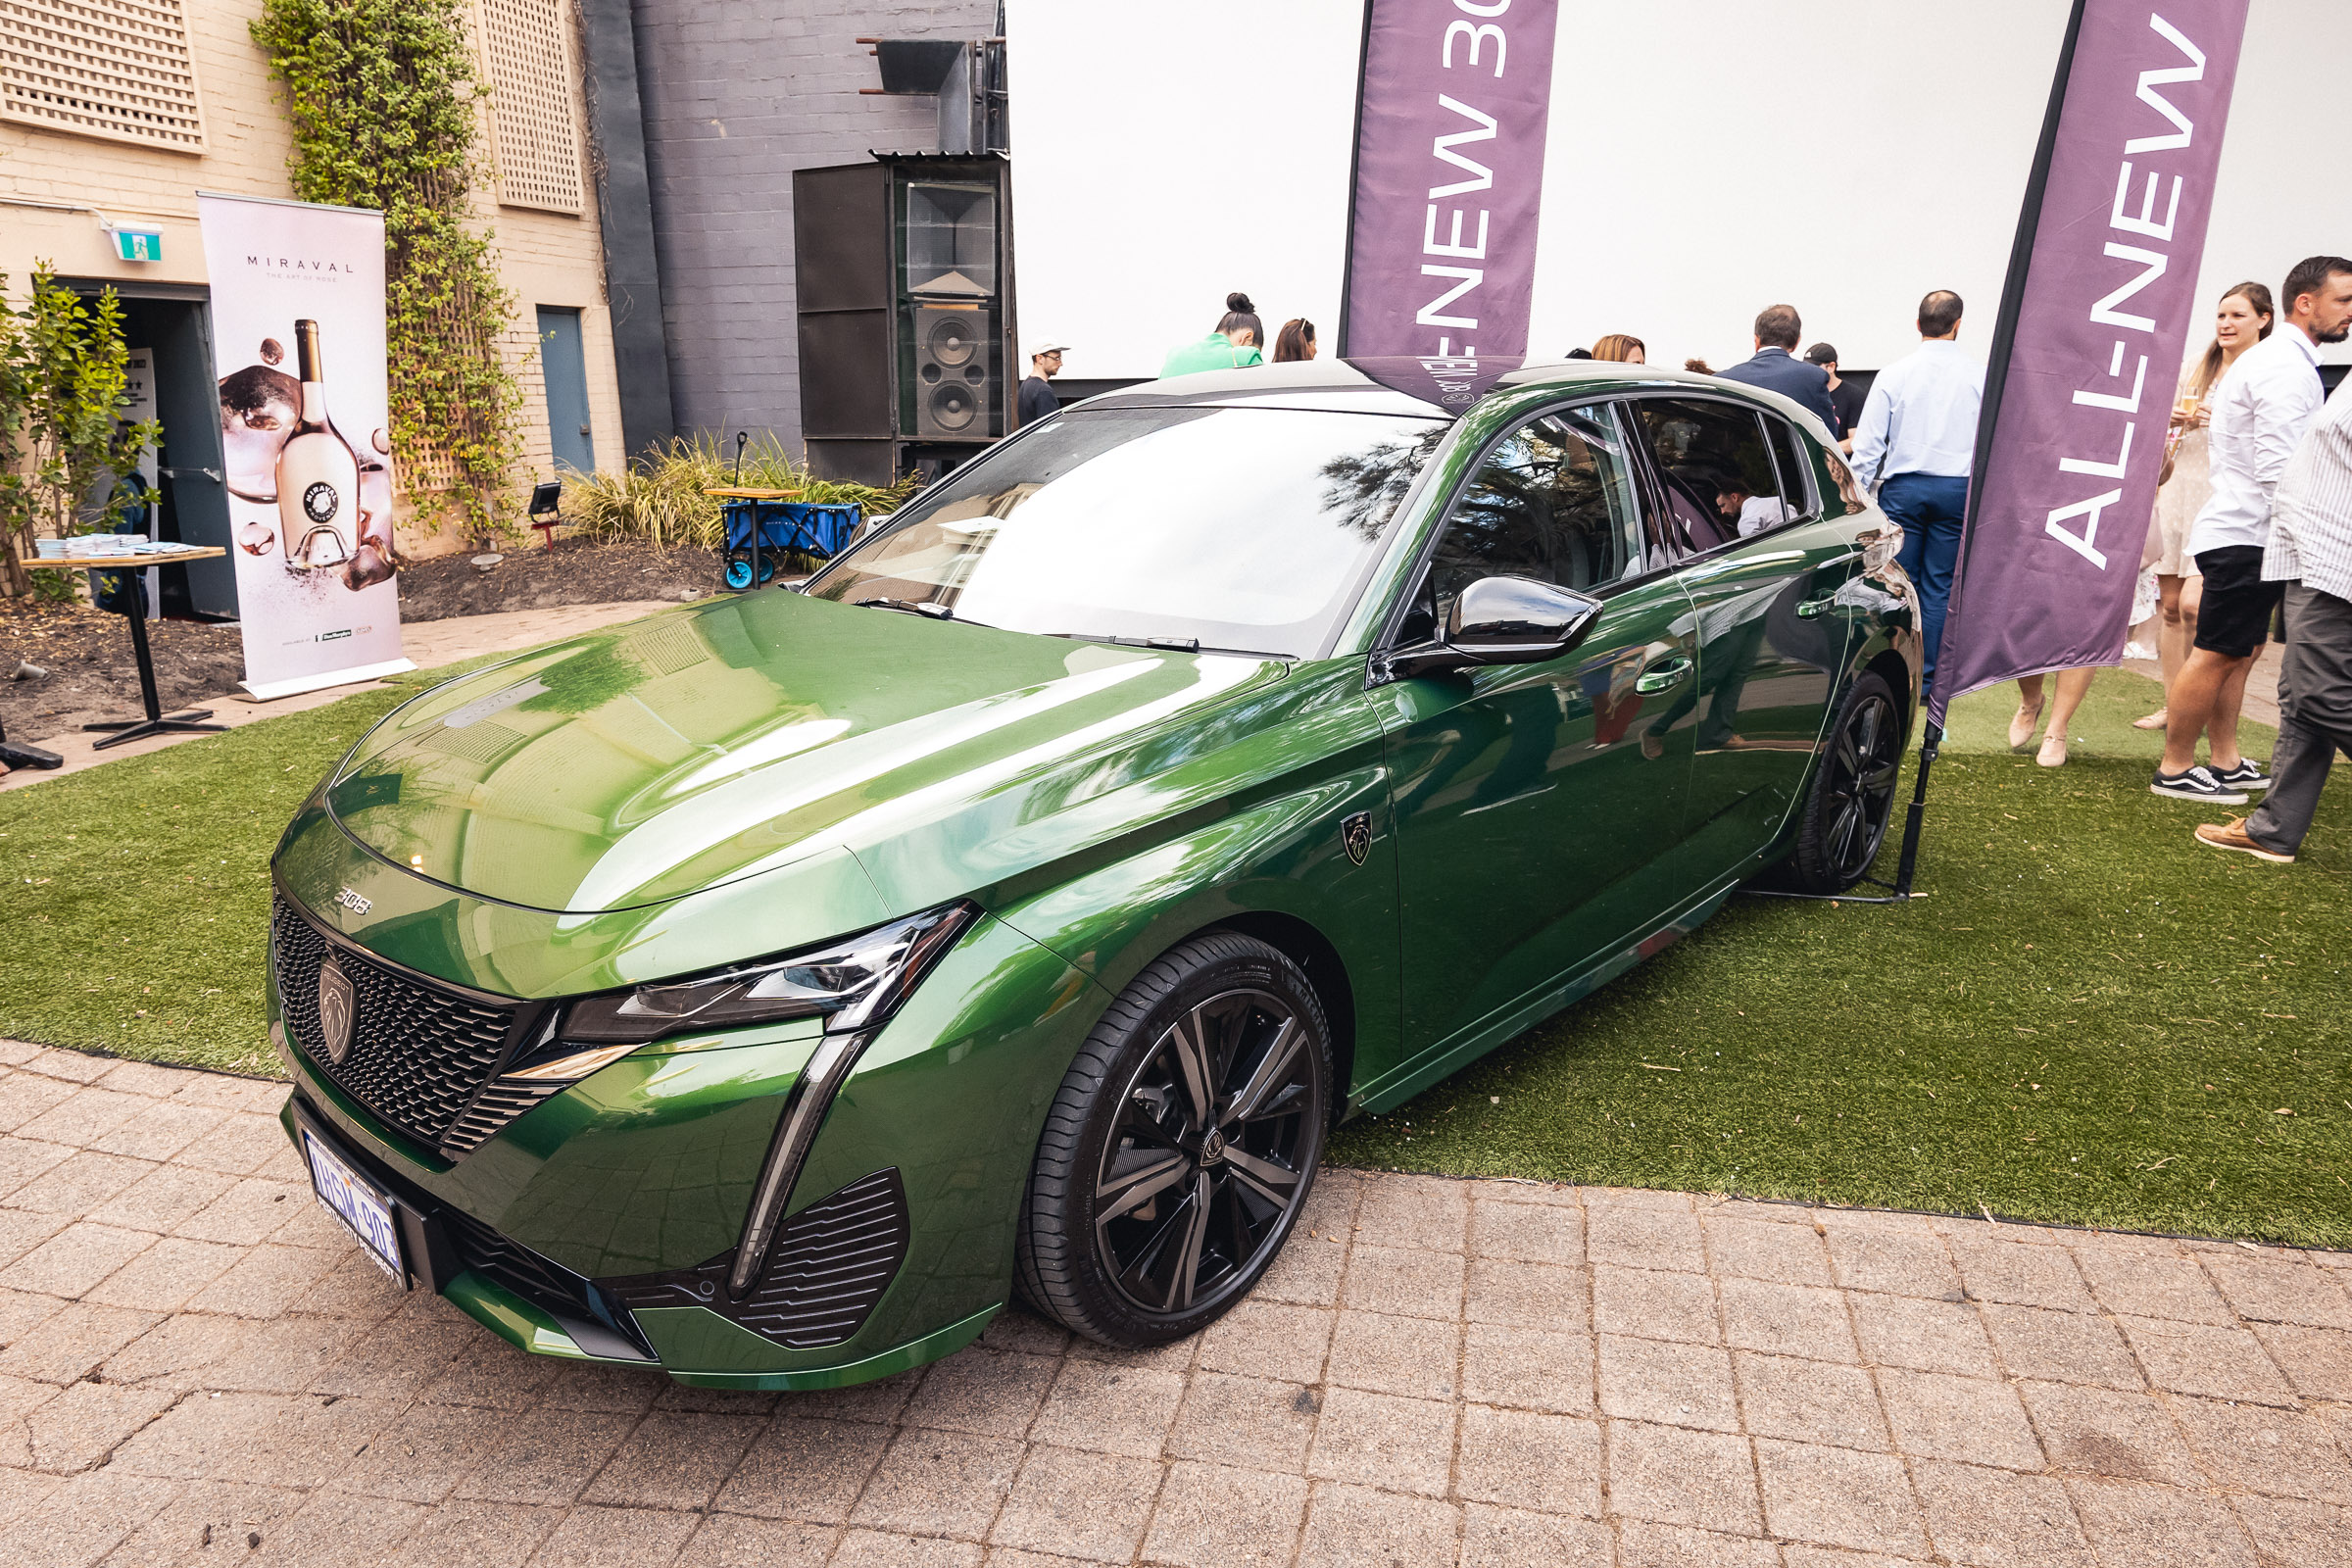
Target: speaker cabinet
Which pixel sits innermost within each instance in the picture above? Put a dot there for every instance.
(905, 275)
(951, 373)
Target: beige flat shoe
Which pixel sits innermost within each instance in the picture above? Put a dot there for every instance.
(2053, 751)
(2021, 727)
(2155, 720)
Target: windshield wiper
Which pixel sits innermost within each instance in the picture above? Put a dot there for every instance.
(930, 610)
(1169, 645)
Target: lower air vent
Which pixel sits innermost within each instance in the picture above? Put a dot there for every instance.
(829, 1266)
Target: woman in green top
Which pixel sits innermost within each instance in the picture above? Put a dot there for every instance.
(1233, 346)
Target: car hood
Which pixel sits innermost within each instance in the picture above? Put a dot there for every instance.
(704, 745)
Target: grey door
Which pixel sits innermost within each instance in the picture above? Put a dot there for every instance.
(564, 364)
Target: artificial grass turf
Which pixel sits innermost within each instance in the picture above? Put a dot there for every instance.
(2089, 1019)
(134, 898)
(2036, 1036)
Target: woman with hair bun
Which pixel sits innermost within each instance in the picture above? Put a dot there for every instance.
(1233, 346)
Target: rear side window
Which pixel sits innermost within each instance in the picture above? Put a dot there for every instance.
(1715, 470)
(1789, 453)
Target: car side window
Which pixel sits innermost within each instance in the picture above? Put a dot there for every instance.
(1796, 474)
(1552, 500)
(1714, 471)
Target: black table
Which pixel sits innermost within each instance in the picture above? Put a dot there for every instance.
(157, 722)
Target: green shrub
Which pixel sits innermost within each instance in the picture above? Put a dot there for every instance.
(662, 499)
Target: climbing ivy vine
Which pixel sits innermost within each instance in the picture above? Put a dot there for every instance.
(381, 95)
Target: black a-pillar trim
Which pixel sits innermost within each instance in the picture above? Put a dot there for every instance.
(624, 207)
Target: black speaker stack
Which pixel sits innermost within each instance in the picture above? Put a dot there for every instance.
(906, 332)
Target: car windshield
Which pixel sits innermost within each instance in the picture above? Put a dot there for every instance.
(1243, 529)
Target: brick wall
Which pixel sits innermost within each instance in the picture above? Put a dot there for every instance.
(543, 258)
(736, 98)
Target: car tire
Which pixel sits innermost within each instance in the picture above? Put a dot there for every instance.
(1846, 811)
(1139, 1226)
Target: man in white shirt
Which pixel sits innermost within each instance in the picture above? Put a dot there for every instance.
(1916, 441)
(2311, 552)
(2260, 412)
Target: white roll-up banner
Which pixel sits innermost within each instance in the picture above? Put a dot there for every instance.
(298, 340)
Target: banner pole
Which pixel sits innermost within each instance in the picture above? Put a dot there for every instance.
(1917, 816)
(1355, 166)
(2004, 339)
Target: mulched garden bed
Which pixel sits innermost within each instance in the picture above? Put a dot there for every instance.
(87, 652)
(530, 577)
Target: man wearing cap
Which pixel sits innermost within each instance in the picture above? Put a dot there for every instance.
(1037, 396)
(1845, 397)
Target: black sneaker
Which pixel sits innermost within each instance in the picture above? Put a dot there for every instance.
(2196, 784)
(2248, 774)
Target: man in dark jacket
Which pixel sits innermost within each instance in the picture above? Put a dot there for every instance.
(1777, 369)
(1037, 397)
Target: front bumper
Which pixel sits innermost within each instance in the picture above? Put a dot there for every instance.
(582, 1227)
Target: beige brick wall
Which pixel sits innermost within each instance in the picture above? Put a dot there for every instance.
(543, 258)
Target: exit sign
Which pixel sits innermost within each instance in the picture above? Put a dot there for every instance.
(139, 244)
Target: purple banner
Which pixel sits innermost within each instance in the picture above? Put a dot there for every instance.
(2093, 330)
(1448, 180)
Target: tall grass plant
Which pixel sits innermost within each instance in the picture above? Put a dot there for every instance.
(663, 500)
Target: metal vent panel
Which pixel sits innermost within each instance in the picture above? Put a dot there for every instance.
(116, 69)
(825, 1273)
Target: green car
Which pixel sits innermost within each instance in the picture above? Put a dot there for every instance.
(770, 989)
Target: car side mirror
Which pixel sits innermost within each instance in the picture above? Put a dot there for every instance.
(1502, 621)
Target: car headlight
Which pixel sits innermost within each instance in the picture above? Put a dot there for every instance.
(853, 983)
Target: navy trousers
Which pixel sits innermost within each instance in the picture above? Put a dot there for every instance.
(1928, 508)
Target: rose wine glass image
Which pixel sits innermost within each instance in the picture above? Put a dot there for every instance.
(318, 473)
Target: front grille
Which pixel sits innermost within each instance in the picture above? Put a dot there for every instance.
(826, 1271)
(420, 1053)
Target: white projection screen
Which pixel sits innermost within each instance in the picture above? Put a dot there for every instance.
(1707, 157)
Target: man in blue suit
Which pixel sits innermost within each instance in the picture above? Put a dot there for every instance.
(1777, 369)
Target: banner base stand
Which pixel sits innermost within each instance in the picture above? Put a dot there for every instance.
(271, 691)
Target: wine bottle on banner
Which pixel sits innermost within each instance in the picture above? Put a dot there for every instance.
(318, 473)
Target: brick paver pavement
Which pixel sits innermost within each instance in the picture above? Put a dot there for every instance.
(197, 1367)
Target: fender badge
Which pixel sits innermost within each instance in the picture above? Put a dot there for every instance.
(1356, 836)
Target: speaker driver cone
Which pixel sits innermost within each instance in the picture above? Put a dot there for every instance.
(952, 407)
(952, 340)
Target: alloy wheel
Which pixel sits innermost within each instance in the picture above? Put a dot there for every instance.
(1213, 1149)
(1863, 763)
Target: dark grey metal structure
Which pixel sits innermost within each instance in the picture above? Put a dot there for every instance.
(624, 207)
(732, 99)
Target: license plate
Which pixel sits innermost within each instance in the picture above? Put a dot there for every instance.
(357, 1203)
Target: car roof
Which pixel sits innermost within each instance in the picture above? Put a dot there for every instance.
(1368, 387)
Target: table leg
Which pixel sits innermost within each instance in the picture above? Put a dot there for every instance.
(155, 723)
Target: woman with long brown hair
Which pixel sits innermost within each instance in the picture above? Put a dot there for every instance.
(1296, 342)
(2243, 320)
(1622, 348)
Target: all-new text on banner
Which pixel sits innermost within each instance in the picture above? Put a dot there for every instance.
(2092, 333)
(298, 335)
(1448, 182)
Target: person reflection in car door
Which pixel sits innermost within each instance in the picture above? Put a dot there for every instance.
(1764, 568)
(1529, 773)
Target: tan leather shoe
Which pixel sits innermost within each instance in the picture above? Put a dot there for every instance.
(2231, 835)
(2023, 723)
